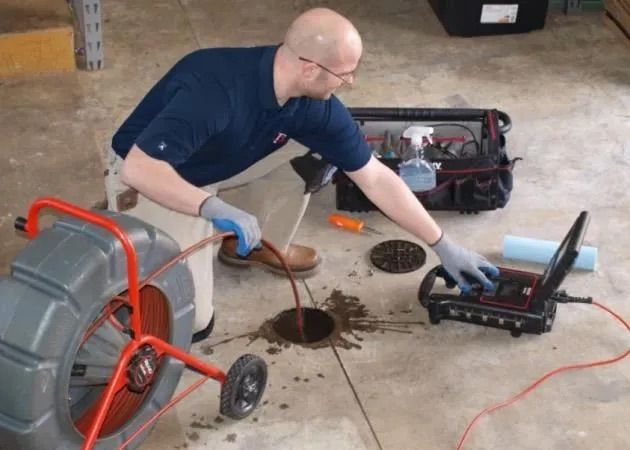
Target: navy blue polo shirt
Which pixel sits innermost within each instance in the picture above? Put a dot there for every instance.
(215, 113)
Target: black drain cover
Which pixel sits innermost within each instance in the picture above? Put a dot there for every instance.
(398, 256)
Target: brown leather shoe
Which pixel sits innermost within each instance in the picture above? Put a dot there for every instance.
(302, 261)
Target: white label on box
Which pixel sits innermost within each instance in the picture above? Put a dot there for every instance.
(499, 13)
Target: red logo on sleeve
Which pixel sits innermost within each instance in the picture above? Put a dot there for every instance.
(281, 138)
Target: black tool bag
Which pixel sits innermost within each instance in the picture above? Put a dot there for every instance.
(473, 170)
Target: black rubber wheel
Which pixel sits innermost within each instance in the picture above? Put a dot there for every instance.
(61, 339)
(434, 320)
(244, 386)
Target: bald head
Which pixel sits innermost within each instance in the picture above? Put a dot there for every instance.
(325, 36)
(320, 53)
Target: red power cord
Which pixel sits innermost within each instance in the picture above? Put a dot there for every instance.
(547, 376)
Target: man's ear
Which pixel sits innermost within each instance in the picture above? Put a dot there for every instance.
(309, 71)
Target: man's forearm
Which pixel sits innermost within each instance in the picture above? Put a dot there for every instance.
(392, 196)
(158, 181)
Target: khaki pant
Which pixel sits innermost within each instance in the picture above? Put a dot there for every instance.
(269, 190)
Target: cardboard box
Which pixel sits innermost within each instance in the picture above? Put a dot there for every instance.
(36, 36)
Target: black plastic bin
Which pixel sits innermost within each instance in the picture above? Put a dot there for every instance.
(486, 17)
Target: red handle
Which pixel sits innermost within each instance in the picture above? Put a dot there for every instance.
(32, 229)
(345, 222)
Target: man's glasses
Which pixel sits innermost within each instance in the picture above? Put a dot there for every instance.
(338, 75)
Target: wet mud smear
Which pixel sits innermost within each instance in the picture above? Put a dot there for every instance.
(351, 319)
(354, 317)
(194, 436)
(199, 424)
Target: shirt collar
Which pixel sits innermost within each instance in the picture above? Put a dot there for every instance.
(266, 90)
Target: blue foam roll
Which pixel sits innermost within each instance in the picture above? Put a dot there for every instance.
(541, 251)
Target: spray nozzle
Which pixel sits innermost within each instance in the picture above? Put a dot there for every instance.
(418, 135)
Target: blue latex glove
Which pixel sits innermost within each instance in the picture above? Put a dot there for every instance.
(228, 218)
(456, 259)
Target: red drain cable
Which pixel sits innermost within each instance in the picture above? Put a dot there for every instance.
(546, 377)
(195, 247)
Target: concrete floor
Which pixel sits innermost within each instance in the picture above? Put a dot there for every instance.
(407, 384)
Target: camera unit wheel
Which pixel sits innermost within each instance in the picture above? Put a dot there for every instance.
(244, 386)
(66, 323)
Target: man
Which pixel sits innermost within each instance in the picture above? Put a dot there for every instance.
(216, 117)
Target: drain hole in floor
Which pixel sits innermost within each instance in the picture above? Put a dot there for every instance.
(318, 325)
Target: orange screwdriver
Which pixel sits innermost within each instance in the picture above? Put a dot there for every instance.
(351, 224)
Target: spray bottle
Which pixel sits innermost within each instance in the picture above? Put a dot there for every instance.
(417, 172)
